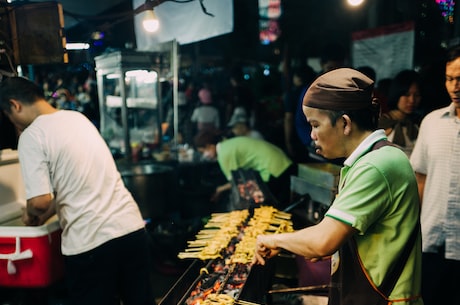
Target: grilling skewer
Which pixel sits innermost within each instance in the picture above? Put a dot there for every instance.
(229, 240)
(318, 288)
(241, 302)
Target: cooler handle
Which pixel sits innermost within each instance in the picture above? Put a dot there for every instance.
(16, 256)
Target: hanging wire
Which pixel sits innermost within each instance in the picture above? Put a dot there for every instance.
(119, 17)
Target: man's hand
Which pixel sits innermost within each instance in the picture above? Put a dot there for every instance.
(28, 219)
(265, 249)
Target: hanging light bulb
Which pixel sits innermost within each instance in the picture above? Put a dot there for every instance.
(150, 21)
(355, 2)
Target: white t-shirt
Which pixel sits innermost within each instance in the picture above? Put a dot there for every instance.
(206, 114)
(63, 154)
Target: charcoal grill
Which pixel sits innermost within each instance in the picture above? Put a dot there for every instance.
(257, 283)
(252, 284)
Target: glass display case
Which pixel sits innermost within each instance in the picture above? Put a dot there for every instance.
(130, 104)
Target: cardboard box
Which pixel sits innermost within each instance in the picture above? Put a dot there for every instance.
(29, 256)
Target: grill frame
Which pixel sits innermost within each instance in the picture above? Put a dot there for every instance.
(255, 288)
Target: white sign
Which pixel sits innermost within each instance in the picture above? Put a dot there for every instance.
(186, 22)
(388, 49)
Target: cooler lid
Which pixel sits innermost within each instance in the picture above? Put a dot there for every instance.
(10, 211)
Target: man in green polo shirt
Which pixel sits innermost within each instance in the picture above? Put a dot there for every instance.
(372, 228)
(242, 152)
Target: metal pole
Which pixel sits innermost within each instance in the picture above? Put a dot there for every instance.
(124, 117)
(175, 70)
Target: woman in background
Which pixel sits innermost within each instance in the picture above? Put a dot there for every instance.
(205, 115)
(402, 121)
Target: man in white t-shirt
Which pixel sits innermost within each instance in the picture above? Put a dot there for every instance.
(69, 170)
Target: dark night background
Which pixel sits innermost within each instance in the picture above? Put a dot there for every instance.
(306, 27)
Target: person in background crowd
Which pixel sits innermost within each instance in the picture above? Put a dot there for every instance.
(381, 92)
(436, 161)
(64, 100)
(82, 96)
(185, 109)
(402, 121)
(191, 93)
(368, 71)
(206, 115)
(239, 125)
(274, 166)
(47, 90)
(381, 88)
(296, 135)
(104, 242)
(239, 95)
(377, 206)
(333, 56)
(91, 108)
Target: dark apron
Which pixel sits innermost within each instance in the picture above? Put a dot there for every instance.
(351, 285)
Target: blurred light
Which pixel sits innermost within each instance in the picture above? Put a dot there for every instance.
(19, 70)
(97, 35)
(77, 46)
(265, 41)
(143, 76)
(98, 43)
(447, 8)
(113, 76)
(150, 21)
(136, 73)
(355, 2)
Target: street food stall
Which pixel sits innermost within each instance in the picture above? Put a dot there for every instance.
(221, 270)
(130, 101)
(131, 116)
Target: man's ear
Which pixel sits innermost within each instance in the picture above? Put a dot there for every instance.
(346, 124)
(15, 105)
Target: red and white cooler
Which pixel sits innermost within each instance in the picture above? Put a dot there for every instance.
(30, 257)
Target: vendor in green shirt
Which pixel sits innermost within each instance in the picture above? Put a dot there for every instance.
(372, 228)
(243, 152)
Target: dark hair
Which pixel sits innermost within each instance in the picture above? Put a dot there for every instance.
(305, 73)
(365, 119)
(453, 53)
(332, 52)
(20, 89)
(368, 71)
(206, 137)
(400, 86)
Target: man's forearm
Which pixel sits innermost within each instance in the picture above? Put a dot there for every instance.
(41, 208)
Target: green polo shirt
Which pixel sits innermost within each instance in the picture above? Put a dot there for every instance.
(250, 153)
(378, 196)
